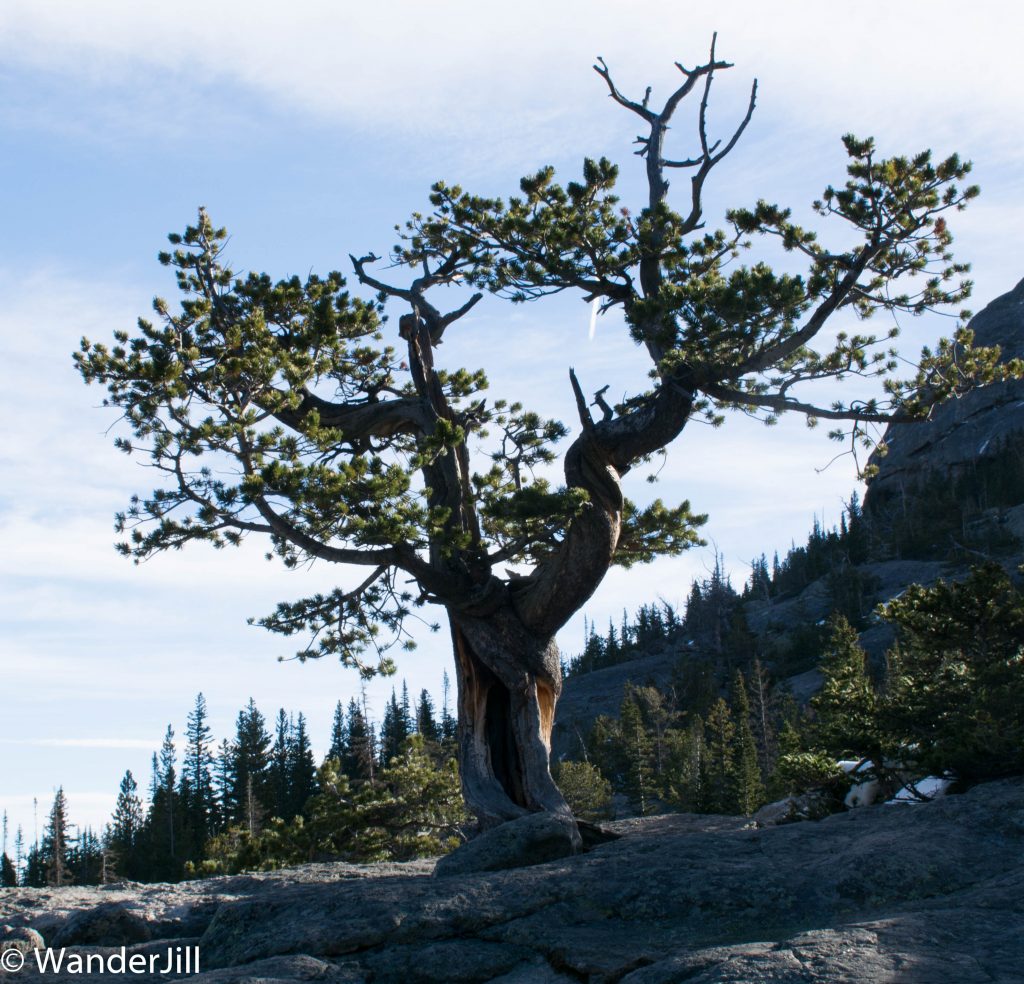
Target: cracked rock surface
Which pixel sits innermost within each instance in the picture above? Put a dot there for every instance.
(919, 893)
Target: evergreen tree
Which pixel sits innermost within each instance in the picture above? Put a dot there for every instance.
(55, 848)
(339, 734)
(164, 823)
(251, 795)
(749, 784)
(586, 791)
(35, 867)
(448, 723)
(280, 767)
(720, 742)
(763, 716)
(19, 852)
(223, 784)
(846, 705)
(637, 765)
(394, 729)
(413, 809)
(238, 370)
(126, 829)
(358, 761)
(199, 805)
(408, 721)
(955, 689)
(8, 873)
(685, 782)
(426, 725)
(301, 769)
(86, 859)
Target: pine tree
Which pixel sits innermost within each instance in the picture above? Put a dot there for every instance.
(637, 767)
(449, 726)
(408, 722)
(339, 734)
(19, 853)
(762, 714)
(251, 795)
(223, 784)
(426, 725)
(85, 859)
(358, 761)
(720, 741)
(199, 805)
(301, 769)
(586, 791)
(279, 768)
(164, 823)
(393, 730)
(55, 848)
(685, 781)
(846, 705)
(126, 829)
(35, 867)
(955, 689)
(749, 783)
(8, 873)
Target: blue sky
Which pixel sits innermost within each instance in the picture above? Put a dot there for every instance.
(309, 131)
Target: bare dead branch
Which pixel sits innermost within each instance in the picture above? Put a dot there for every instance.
(581, 402)
(640, 109)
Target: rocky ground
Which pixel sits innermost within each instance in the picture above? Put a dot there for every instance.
(919, 894)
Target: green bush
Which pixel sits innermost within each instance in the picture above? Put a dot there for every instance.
(586, 791)
(413, 808)
(954, 697)
(799, 772)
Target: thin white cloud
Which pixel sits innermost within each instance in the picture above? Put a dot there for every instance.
(483, 81)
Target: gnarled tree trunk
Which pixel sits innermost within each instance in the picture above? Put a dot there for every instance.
(508, 681)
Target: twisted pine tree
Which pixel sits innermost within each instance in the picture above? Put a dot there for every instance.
(280, 409)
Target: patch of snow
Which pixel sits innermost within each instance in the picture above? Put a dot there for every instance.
(981, 450)
(863, 794)
(928, 788)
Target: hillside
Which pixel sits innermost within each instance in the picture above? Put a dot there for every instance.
(948, 493)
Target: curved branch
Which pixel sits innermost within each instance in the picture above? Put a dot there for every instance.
(780, 403)
(357, 421)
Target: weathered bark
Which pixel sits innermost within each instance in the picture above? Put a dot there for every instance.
(509, 680)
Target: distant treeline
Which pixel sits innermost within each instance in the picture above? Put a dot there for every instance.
(937, 517)
(204, 801)
(949, 702)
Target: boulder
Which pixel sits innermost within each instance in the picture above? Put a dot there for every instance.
(532, 839)
(109, 924)
(20, 938)
(812, 805)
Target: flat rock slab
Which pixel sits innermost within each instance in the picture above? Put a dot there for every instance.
(922, 894)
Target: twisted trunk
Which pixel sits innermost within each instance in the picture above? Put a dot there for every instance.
(509, 680)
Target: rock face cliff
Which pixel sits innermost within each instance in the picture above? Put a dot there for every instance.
(961, 431)
(919, 894)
